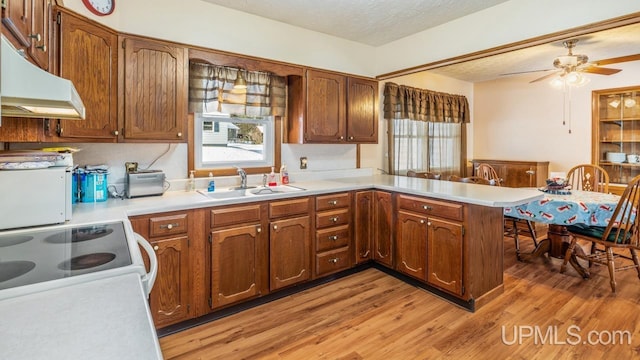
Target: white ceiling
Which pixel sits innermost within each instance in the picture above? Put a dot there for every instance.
(372, 22)
(378, 22)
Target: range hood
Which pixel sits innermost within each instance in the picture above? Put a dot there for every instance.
(28, 91)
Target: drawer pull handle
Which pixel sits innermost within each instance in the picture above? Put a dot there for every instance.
(334, 219)
(333, 237)
(169, 226)
(530, 172)
(334, 260)
(333, 202)
(427, 207)
(156, 248)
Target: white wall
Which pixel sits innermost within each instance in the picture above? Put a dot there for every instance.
(515, 120)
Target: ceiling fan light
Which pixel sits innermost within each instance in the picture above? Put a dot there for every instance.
(557, 82)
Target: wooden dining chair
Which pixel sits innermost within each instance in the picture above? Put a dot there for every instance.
(488, 172)
(623, 232)
(588, 177)
(423, 174)
(470, 180)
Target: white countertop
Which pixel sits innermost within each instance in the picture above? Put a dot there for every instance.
(492, 196)
(101, 319)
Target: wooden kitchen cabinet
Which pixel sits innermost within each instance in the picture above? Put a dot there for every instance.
(238, 254)
(383, 241)
(363, 225)
(333, 243)
(85, 46)
(28, 22)
(21, 130)
(616, 129)
(235, 257)
(411, 245)
(289, 252)
(327, 107)
(170, 300)
(444, 255)
(153, 90)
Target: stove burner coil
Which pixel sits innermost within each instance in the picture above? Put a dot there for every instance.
(12, 269)
(86, 261)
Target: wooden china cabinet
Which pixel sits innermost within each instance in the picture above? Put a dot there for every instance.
(616, 129)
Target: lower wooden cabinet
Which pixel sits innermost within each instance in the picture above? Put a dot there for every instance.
(234, 264)
(383, 229)
(444, 255)
(411, 245)
(363, 225)
(289, 252)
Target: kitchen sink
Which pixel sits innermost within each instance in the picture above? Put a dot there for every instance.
(251, 191)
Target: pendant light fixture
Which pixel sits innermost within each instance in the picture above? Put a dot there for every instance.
(241, 82)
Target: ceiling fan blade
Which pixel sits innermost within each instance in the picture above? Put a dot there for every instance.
(545, 77)
(616, 60)
(525, 72)
(600, 70)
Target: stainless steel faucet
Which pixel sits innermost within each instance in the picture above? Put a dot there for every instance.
(243, 178)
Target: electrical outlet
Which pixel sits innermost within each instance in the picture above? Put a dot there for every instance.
(131, 166)
(303, 162)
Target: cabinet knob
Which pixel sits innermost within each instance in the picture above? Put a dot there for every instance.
(333, 237)
(42, 47)
(179, 134)
(333, 202)
(429, 223)
(350, 137)
(334, 260)
(334, 219)
(170, 226)
(530, 172)
(36, 37)
(156, 248)
(427, 207)
(422, 221)
(258, 230)
(275, 227)
(115, 132)
(341, 137)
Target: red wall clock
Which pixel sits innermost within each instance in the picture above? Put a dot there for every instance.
(100, 7)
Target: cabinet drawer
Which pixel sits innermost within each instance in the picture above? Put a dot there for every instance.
(431, 207)
(289, 207)
(332, 238)
(168, 225)
(235, 215)
(333, 201)
(332, 218)
(332, 261)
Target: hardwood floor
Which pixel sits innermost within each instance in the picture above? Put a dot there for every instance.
(371, 315)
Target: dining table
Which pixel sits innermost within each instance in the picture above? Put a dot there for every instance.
(560, 209)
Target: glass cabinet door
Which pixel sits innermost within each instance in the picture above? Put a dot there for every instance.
(616, 128)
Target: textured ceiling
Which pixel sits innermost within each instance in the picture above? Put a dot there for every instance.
(377, 22)
(372, 22)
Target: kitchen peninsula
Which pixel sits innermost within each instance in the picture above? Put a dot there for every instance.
(444, 236)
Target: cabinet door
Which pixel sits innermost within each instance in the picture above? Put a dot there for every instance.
(155, 90)
(41, 16)
(444, 263)
(382, 229)
(362, 111)
(364, 225)
(520, 175)
(16, 17)
(88, 57)
(411, 245)
(326, 115)
(169, 298)
(21, 130)
(289, 252)
(234, 259)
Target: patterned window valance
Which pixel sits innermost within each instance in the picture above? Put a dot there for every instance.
(404, 102)
(211, 90)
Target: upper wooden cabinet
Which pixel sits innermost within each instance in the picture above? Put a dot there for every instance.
(28, 21)
(327, 107)
(153, 90)
(86, 47)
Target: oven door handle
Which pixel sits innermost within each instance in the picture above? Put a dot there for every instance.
(149, 278)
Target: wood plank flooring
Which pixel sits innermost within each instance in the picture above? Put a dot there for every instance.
(371, 315)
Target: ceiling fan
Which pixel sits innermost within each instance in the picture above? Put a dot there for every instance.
(578, 63)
